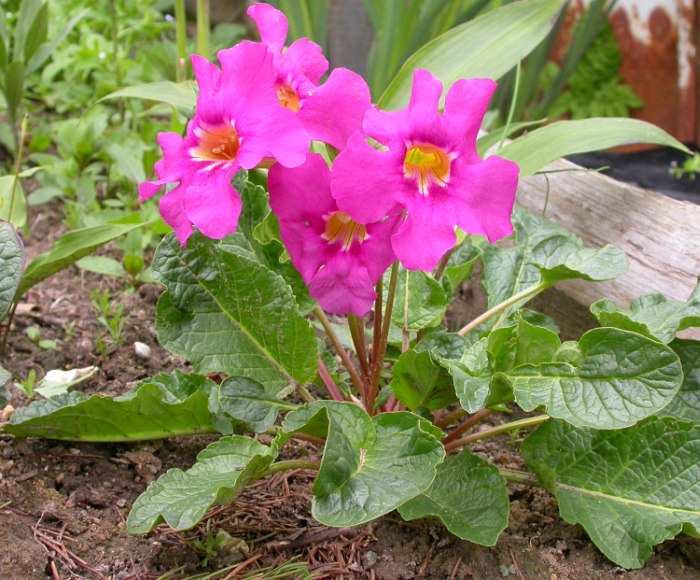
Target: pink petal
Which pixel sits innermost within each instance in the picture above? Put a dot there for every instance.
(300, 198)
(365, 182)
(214, 206)
(305, 190)
(385, 126)
(306, 57)
(487, 189)
(465, 106)
(335, 110)
(272, 25)
(248, 78)
(377, 253)
(271, 131)
(207, 74)
(426, 235)
(342, 287)
(173, 212)
(425, 100)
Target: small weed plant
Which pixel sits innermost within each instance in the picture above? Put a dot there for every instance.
(318, 243)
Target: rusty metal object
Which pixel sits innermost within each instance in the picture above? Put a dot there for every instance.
(660, 45)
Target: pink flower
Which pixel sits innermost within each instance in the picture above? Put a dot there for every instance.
(330, 112)
(338, 258)
(238, 123)
(430, 168)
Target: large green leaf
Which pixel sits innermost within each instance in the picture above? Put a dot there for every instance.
(180, 95)
(427, 302)
(5, 377)
(419, 383)
(686, 404)
(563, 258)
(510, 270)
(11, 266)
(540, 147)
(13, 201)
(246, 400)
(226, 313)
(370, 466)
(618, 379)
(472, 376)
(545, 253)
(69, 248)
(653, 315)
(488, 46)
(468, 496)
(629, 489)
(181, 498)
(159, 407)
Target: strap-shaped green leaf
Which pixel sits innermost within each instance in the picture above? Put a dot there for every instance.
(11, 266)
(629, 489)
(371, 465)
(653, 315)
(226, 313)
(181, 498)
(159, 407)
(180, 95)
(540, 147)
(488, 46)
(468, 496)
(69, 248)
(617, 379)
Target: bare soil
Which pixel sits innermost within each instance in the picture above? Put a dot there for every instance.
(63, 505)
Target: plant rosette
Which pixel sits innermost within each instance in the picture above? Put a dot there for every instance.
(315, 282)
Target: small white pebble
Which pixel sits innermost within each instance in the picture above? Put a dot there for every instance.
(142, 350)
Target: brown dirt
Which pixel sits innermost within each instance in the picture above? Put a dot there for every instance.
(63, 506)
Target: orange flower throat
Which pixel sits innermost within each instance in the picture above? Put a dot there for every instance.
(427, 164)
(340, 227)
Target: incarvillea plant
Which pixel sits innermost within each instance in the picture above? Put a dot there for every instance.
(317, 291)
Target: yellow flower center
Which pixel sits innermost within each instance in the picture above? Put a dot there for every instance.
(427, 164)
(288, 98)
(219, 143)
(340, 227)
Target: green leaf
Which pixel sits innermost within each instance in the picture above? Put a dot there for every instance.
(427, 302)
(14, 87)
(5, 377)
(488, 46)
(686, 404)
(102, 265)
(11, 265)
(621, 378)
(652, 315)
(461, 263)
(521, 344)
(563, 258)
(508, 271)
(468, 496)
(485, 142)
(370, 465)
(247, 401)
(37, 32)
(629, 489)
(540, 147)
(418, 382)
(69, 248)
(16, 207)
(181, 498)
(47, 48)
(180, 95)
(472, 376)
(159, 407)
(226, 313)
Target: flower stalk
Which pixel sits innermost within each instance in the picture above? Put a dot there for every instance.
(505, 428)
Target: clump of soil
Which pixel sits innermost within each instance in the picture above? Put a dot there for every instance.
(63, 505)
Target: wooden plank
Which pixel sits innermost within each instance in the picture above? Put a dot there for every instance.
(660, 235)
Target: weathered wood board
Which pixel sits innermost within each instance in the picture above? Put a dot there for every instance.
(660, 235)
